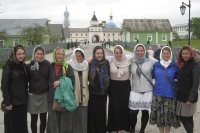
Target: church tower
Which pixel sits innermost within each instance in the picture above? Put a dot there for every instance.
(66, 19)
(94, 21)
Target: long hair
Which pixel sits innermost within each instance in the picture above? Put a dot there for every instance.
(12, 57)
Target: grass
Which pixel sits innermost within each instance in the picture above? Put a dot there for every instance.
(195, 43)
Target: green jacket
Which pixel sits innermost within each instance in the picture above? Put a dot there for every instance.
(64, 94)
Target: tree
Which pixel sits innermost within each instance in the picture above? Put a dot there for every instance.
(2, 35)
(195, 26)
(34, 34)
(175, 35)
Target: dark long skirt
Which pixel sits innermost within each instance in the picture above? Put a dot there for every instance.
(60, 122)
(118, 111)
(15, 121)
(97, 114)
(80, 120)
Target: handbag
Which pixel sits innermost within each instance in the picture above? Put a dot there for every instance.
(56, 106)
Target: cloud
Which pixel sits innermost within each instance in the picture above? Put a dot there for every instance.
(81, 11)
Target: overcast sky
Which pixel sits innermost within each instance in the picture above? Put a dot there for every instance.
(81, 11)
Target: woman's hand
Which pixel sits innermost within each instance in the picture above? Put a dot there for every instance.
(10, 107)
(56, 84)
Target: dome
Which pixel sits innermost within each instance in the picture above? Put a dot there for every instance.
(110, 24)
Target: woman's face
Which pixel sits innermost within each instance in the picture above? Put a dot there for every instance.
(166, 55)
(118, 53)
(20, 55)
(59, 55)
(99, 54)
(79, 57)
(140, 51)
(185, 55)
(39, 55)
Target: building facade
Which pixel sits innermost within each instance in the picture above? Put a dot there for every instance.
(147, 31)
(13, 30)
(181, 30)
(96, 32)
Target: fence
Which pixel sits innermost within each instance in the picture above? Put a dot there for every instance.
(5, 52)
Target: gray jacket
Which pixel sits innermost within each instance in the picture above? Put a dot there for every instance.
(140, 83)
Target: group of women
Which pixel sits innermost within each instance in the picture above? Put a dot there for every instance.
(131, 83)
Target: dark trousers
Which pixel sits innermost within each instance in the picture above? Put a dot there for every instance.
(15, 121)
(43, 122)
(144, 119)
(188, 123)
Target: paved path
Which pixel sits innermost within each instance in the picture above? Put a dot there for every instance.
(150, 129)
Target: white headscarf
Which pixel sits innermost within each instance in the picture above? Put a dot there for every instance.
(163, 62)
(74, 63)
(121, 64)
(36, 63)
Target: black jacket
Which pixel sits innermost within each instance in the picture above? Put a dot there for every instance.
(40, 81)
(14, 83)
(188, 82)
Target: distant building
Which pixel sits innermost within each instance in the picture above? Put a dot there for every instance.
(96, 32)
(153, 31)
(56, 33)
(182, 30)
(13, 29)
(66, 19)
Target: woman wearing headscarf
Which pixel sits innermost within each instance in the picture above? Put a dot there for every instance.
(119, 91)
(59, 121)
(98, 85)
(81, 91)
(163, 109)
(39, 70)
(14, 86)
(188, 83)
(141, 87)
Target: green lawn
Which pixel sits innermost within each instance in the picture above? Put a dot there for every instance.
(195, 43)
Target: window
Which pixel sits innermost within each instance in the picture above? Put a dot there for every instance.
(15, 42)
(81, 34)
(149, 37)
(71, 34)
(164, 37)
(136, 37)
(108, 34)
(1, 43)
(113, 34)
(104, 34)
(76, 34)
(85, 34)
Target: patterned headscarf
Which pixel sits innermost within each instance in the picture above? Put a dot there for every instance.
(103, 72)
(63, 63)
